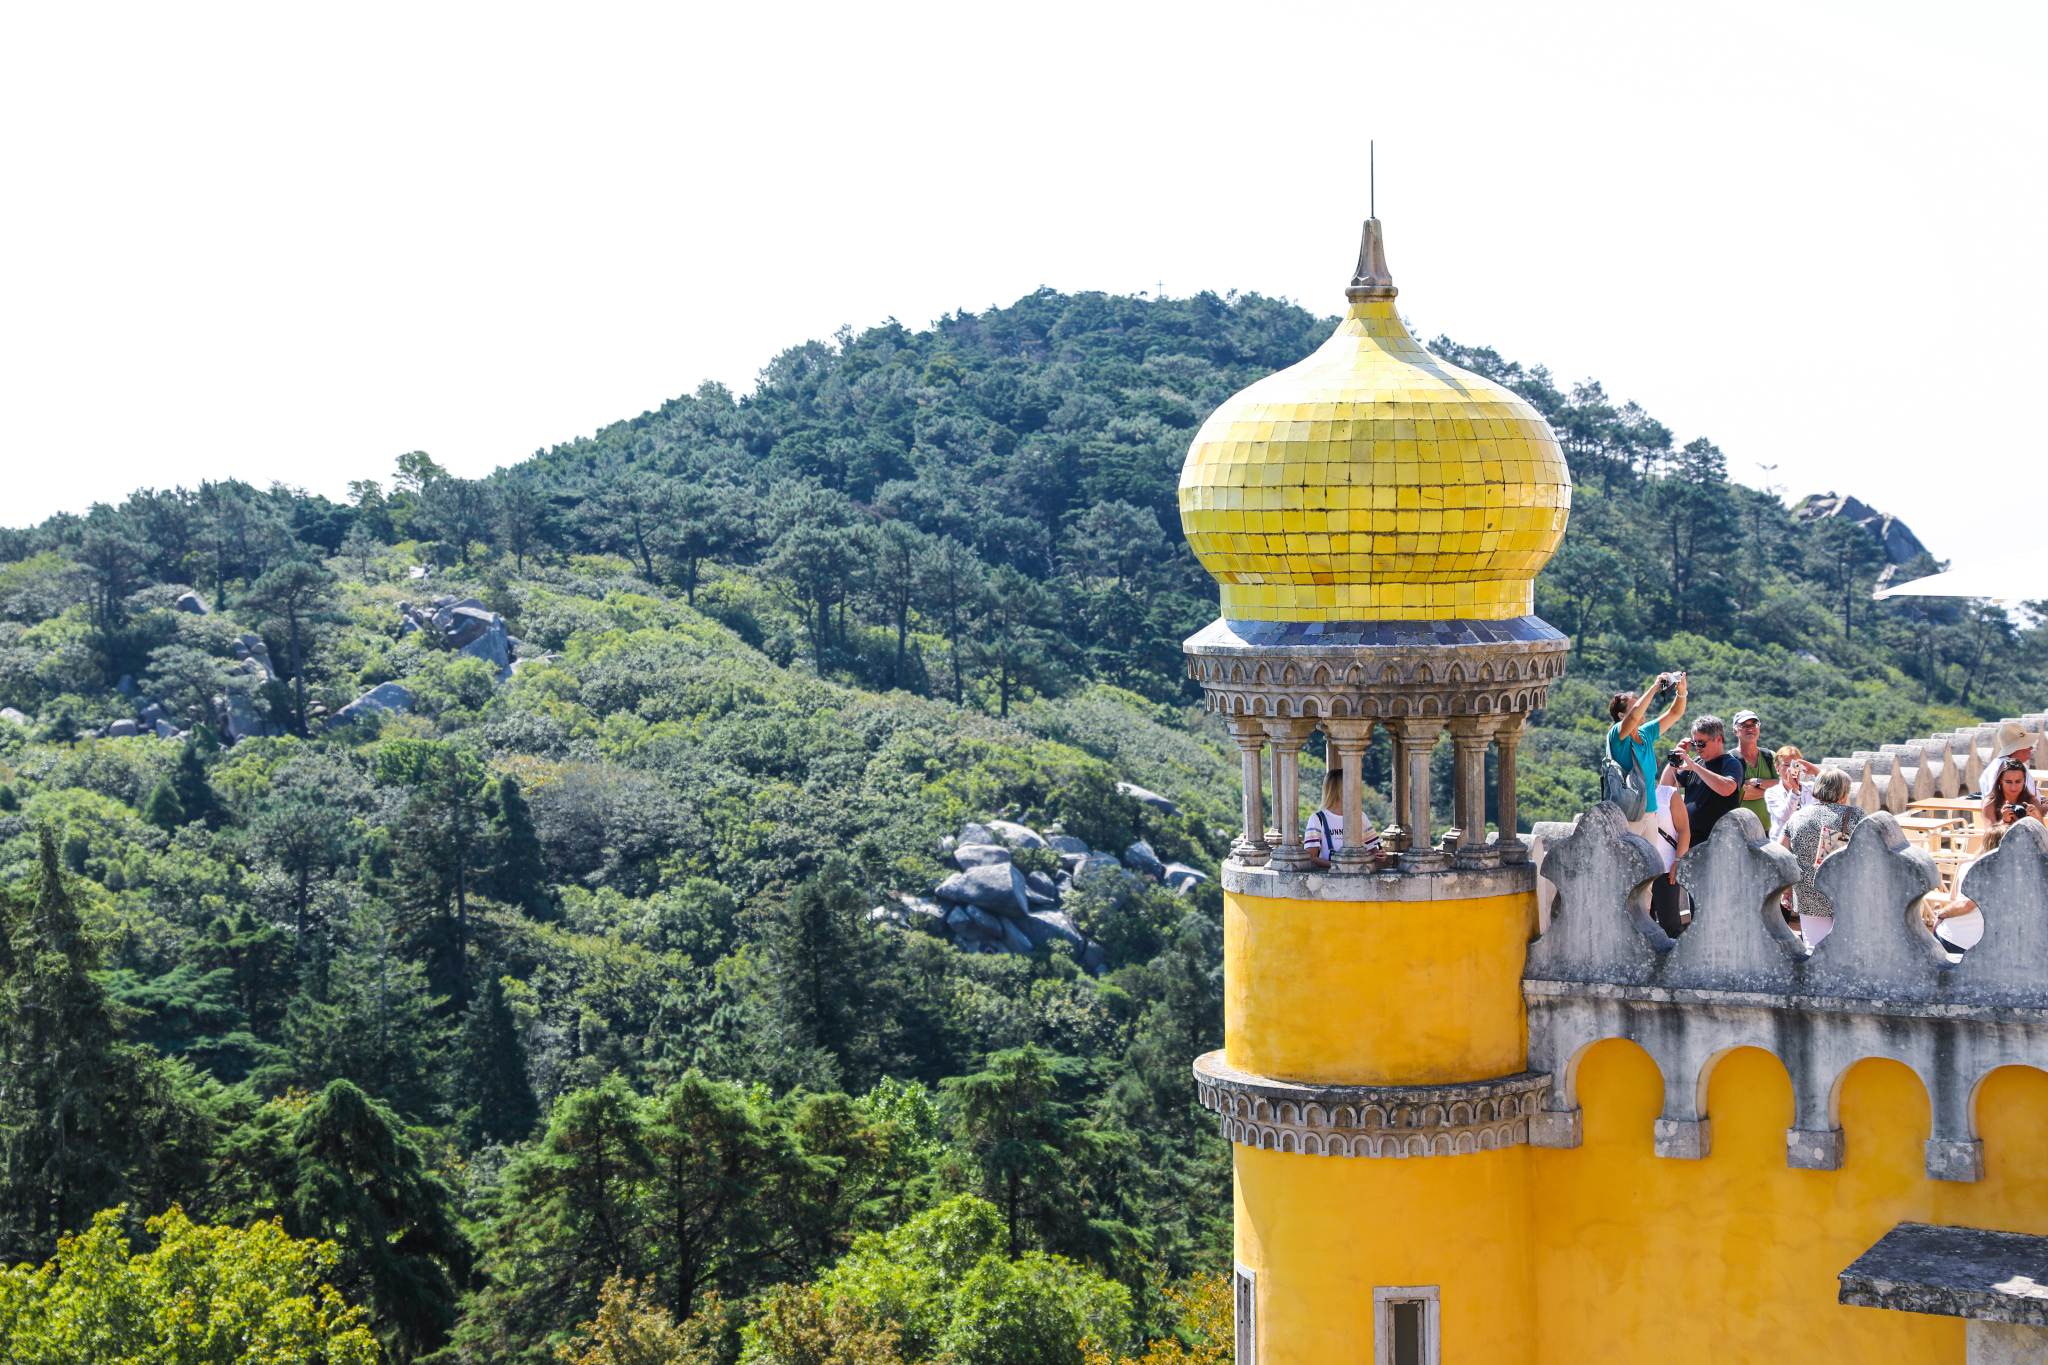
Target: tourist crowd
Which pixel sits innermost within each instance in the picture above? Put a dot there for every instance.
(1689, 789)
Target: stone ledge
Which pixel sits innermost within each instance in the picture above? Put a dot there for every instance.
(1536, 989)
(1455, 884)
(1954, 1272)
(1452, 1119)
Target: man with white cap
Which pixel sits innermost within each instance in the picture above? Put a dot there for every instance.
(1759, 771)
(2014, 741)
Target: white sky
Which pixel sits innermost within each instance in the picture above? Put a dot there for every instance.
(287, 242)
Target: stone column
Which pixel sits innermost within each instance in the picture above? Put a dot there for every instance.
(1395, 835)
(1273, 815)
(1288, 737)
(1505, 740)
(1250, 847)
(1416, 736)
(1472, 735)
(1348, 740)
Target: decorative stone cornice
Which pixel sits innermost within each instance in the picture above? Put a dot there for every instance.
(1369, 1120)
(1376, 669)
(1336, 885)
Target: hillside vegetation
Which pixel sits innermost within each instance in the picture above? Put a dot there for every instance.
(593, 1000)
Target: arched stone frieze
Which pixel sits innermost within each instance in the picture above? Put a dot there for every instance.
(1369, 1121)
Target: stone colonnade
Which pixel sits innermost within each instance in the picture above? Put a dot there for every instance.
(1279, 846)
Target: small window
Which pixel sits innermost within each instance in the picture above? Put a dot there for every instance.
(1246, 1283)
(1404, 1325)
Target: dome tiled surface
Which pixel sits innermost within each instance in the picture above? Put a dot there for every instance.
(1374, 481)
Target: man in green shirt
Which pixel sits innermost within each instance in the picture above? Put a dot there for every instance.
(1759, 769)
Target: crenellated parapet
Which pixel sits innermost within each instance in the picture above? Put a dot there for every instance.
(1879, 985)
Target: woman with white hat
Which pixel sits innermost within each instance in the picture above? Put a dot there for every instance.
(2014, 741)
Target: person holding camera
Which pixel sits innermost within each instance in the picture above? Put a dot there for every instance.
(1790, 796)
(2008, 797)
(1710, 777)
(1632, 738)
(1674, 838)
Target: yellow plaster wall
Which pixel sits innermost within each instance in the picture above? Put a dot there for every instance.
(1375, 992)
(1734, 1258)
(1323, 1231)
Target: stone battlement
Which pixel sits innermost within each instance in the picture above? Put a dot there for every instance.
(1880, 985)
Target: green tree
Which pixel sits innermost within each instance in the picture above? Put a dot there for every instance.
(526, 520)
(1587, 581)
(1015, 647)
(190, 679)
(163, 809)
(898, 548)
(1842, 555)
(199, 1296)
(632, 513)
(341, 1168)
(495, 1100)
(441, 845)
(368, 1015)
(1019, 1130)
(714, 1164)
(825, 970)
(566, 1216)
(950, 580)
(294, 598)
(517, 870)
(306, 833)
(64, 1144)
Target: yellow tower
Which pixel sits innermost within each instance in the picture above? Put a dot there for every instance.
(1376, 518)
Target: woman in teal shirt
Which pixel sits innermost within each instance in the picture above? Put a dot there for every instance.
(1632, 740)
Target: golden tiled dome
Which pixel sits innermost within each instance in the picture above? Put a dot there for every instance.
(1373, 481)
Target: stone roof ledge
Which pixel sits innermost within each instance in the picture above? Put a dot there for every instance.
(1955, 1272)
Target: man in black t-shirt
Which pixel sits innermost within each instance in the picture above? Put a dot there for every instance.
(1710, 779)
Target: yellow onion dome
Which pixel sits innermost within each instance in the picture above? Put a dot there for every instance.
(1373, 481)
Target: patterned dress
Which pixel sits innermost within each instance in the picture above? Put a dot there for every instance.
(1818, 830)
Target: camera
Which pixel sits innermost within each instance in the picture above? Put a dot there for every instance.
(1661, 698)
(1676, 758)
(2014, 810)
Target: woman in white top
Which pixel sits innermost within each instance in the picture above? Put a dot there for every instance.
(1954, 918)
(1674, 838)
(1790, 795)
(1325, 832)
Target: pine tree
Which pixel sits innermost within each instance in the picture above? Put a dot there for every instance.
(497, 1101)
(195, 794)
(63, 1141)
(164, 809)
(518, 873)
(342, 1167)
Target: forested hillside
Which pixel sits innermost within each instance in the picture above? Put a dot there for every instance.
(618, 965)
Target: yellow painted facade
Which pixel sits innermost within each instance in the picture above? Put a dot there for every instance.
(1331, 992)
(1374, 481)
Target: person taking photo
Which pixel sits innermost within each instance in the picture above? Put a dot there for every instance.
(1710, 777)
(1633, 738)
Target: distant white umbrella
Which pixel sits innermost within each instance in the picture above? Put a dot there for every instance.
(2021, 577)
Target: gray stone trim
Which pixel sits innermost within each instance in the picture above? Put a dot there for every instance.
(1813, 1149)
(1333, 885)
(1955, 1272)
(1368, 1120)
(1376, 669)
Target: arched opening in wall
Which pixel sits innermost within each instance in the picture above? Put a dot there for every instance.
(1747, 1094)
(1881, 1107)
(2009, 1111)
(1619, 1092)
